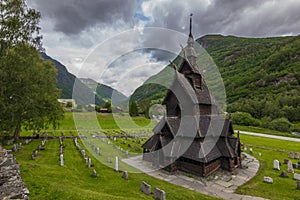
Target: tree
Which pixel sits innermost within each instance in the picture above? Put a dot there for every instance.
(18, 24)
(28, 92)
(133, 109)
(108, 106)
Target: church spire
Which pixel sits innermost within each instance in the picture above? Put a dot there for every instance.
(190, 51)
(191, 35)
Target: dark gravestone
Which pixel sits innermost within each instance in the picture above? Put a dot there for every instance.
(298, 185)
(125, 175)
(284, 174)
(295, 166)
(285, 161)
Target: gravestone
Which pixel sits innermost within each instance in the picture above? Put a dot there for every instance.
(117, 164)
(297, 176)
(292, 156)
(125, 175)
(145, 188)
(276, 165)
(290, 167)
(61, 160)
(159, 194)
(89, 162)
(295, 166)
(35, 153)
(259, 154)
(26, 141)
(298, 185)
(284, 174)
(251, 151)
(32, 157)
(296, 155)
(14, 148)
(98, 150)
(94, 173)
(286, 161)
(268, 179)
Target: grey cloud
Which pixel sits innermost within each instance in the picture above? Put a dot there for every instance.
(73, 16)
(253, 18)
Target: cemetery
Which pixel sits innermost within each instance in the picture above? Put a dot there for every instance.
(92, 171)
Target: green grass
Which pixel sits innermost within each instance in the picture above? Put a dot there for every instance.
(271, 149)
(263, 130)
(90, 120)
(47, 180)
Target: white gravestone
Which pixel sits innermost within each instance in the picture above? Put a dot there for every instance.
(117, 164)
(89, 162)
(268, 179)
(276, 165)
(61, 160)
(297, 177)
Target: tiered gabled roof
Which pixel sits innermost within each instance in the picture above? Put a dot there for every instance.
(202, 96)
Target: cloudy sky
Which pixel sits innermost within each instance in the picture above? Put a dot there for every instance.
(109, 40)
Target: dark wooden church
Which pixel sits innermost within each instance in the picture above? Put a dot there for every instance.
(194, 137)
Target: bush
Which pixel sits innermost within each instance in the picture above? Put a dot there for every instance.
(244, 119)
(281, 124)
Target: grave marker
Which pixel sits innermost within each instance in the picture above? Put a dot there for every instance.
(159, 194)
(276, 165)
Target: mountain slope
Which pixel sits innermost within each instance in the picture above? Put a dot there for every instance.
(105, 92)
(84, 94)
(255, 71)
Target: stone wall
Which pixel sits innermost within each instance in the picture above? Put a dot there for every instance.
(11, 184)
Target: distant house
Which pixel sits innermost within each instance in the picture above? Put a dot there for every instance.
(68, 103)
(103, 110)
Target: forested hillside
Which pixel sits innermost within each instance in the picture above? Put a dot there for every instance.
(261, 76)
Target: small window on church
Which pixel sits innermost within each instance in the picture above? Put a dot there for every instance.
(197, 82)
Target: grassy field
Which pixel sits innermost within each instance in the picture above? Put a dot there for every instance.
(91, 120)
(47, 180)
(271, 149)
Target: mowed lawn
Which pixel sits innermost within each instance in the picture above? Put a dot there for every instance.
(92, 121)
(271, 149)
(47, 180)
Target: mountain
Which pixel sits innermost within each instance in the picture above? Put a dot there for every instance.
(105, 92)
(261, 75)
(83, 93)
